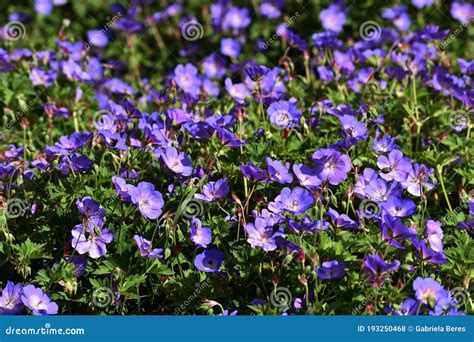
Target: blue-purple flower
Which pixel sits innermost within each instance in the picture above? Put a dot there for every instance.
(296, 201)
(209, 261)
(330, 270)
(38, 302)
(201, 236)
(213, 191)
(148, 200)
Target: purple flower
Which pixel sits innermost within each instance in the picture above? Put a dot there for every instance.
(435, 235)
(97, 38)
(462, 11)
(177, 162)
(398, 16)
(253, 173)
(307, 225)
(209, 261)
(271, 8)
(394, 231)
(123, 189)
(39, 76)
(236, 18)
(306, 176)
(148, 200)
(10, 300)
(399, 207)
(213, 66)
(186, 77)
(379, 190)
(114, 141)
(330, 270)
(238, 91)
(422, 3)
(212, 191)
(89, 237)
(262, 234)
(230, 47)
(38, 301)
(376, 267)
(427, 289)
(333, 18)
(201, 236)
(407, 308)
(427, 254)
(341, 220)
(368, 176)
(331, 165)
(296, 200)
(353, 128)
(284, 114)
(44, 7)
(144, 247)
(418, 180)
(396, 166)
(277, 172)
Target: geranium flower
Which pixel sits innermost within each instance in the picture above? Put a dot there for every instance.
(376, 267)
(209, 261)
(331, 165)
(418, 180)
(178, 162)
(330, 270)
(296, 200)
(148, 200)
(38, 302)
(212, 191)
(144, 247)
(278, 172)
(201, 236)
(10, 300)
(284, 114)
(262, 233)
(396, 165)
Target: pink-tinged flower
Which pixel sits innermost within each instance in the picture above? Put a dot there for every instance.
(427, 289)
(212, 191)
(148, 200)
(296, 200)
(201, 236)
(331, 165)
(144, 247)
(38, 301)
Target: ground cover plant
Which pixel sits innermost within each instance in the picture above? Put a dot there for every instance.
(221, 158)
